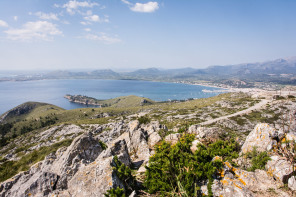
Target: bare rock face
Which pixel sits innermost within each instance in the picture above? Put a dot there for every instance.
(204, 132)
(83, 150)
(55, 171)
(27, 183)
(260, 137)
(152, 127)
(59, 131)
(98, 177)
(116, 129)
(280, 168)
(139, 147)
(292, 183)
(237, 182)
(193, 147)
(290, 137)
(154, 138)
(133, 125)
(229, 188)
(173, 138)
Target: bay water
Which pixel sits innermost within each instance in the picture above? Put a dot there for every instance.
(13, 93)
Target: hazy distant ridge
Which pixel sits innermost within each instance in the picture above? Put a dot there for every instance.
(281, 71)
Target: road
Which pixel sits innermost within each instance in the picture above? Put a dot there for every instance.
(245, 111)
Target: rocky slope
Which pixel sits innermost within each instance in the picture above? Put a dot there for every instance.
(85, 168)
(85, 165)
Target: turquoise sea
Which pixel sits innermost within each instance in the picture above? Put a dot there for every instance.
(13, 93)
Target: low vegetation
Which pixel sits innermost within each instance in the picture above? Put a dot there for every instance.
(11, 168)
(124, 173)
(258, 159)
(175, 170)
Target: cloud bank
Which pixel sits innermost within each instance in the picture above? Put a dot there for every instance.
(145, 7)
(149, 7)
(40, 30)
(3, 24)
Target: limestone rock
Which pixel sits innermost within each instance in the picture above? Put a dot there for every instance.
(173, 138)
(229, 188)
(260, 137)
(204, 132)
(237, 182)
(133, 125)
(194, 144)
(292, 183)
(55, 171)
(133, 194)
(139, 146)
(154, 138)
(290, 137)
(280, 168)
(27, 184)
(96, 178)
(112, 131)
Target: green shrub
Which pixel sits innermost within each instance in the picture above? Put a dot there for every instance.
(103, 145)
(124, 173)
(144, 119)
(258, 159)
(176, 169)
(118, 192)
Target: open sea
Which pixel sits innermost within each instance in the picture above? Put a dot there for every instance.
(13, 93)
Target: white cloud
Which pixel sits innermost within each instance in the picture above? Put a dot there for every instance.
(93, 18)
(103, 37)
(3, 24)
(84, 23)
(145, 7)
(96, 18)
(88, 12)
(15, 18)
(126, 2)
(42, 30)
(87, 29)
(74, 5)
(49, 16)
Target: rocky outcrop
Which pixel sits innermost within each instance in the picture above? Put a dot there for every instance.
(261, 138)
(202, 133)
(55, 171)
(85, 169)
(238, 182)
(173, 138)
(280, 168)
(84, 100)
(96, 178)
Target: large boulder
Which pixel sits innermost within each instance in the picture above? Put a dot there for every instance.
(204, 133)
(111, 132)
(133, 125)
(153, 139)
(54, 172)
(27, 184)
(292, 183)
(139, 147)
(237, 182)
(98, 177)
(279, 168)
(261, 138)
(173, 138)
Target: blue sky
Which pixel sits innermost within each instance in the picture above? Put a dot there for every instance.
(129, 34)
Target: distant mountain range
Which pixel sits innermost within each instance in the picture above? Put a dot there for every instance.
(281, 71)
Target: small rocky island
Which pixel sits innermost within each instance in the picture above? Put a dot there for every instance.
(123, 101)
(85, 100)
